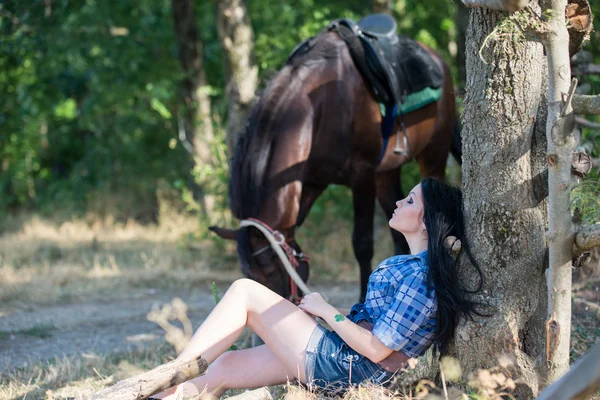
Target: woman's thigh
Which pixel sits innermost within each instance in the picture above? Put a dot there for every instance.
(248, 368)
(284, 328)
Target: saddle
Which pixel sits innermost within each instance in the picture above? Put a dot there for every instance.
(401, 73)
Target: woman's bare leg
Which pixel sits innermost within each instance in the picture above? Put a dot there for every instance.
(284, 328)
(242, 369)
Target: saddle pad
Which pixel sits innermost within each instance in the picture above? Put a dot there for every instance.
(416, 100)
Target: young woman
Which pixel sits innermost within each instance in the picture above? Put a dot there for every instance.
(412, 302)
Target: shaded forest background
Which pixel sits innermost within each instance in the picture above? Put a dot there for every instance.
(91, 100)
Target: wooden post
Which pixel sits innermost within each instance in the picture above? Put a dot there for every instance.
(580, 382)
(154, 381)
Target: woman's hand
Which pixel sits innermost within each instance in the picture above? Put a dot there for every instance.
(314, 304)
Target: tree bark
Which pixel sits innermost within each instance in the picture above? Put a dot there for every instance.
(583, 104)
(383, 6)
(559, 125)
(237, 41)
(196, 125)
(504, 191)
(586, 239)
(154, 381)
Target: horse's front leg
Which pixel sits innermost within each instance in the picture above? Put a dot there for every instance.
(363, 198)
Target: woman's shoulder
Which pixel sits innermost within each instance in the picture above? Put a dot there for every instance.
(398, 268)
(416, 262)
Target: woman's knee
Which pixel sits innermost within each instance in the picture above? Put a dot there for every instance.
(242, 288)
(242, 285)
(250, 292)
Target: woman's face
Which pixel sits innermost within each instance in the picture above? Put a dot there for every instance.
(408, 215)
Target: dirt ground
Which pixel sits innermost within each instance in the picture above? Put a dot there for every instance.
(110, 325)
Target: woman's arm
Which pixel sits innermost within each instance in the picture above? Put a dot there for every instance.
(358, 338)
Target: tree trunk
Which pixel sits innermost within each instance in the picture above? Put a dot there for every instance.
(383, 6)
(560, 229)
(504, 189)
(237, 41)
(196, 131)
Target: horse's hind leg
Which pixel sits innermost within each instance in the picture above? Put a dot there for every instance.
(389, 191)
(363, 198)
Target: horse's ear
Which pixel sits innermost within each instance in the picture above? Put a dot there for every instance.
(228, 234)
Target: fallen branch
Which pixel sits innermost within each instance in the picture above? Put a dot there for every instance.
(583, 104)
(154, 381)
(500, 5)
(586, 239)
(587, 303)
(585, 69)
(581, 381)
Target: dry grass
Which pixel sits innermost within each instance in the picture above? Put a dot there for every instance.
(46, 262)
(78, 377)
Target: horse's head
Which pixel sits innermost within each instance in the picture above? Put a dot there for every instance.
(260, 262)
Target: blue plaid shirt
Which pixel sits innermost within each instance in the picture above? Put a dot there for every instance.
(400, 305)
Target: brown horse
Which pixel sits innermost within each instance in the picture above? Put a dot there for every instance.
(317, 123)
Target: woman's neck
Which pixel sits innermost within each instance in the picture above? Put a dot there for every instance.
(416, 243)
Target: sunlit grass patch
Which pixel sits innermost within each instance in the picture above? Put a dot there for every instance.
(44, 263)
(79, 377)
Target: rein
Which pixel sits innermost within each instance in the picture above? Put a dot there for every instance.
(287, 255)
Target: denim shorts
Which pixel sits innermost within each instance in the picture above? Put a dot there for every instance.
(334, 366)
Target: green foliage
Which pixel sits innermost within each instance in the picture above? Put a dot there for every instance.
(91, 93)
(215, 292)
(585, 197)
(88, 87)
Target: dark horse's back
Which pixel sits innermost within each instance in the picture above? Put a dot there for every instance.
(318, 123)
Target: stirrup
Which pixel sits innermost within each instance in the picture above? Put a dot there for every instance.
(401, 151)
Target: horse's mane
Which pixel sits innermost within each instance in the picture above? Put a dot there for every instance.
(252, 156)
(253, 150)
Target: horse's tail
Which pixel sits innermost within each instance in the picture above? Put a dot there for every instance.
(456, 145)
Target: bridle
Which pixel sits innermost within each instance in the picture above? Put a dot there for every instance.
(289, 257)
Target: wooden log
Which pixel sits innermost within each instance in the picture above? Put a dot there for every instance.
(582, 380)
(257, 394)
(154, 381)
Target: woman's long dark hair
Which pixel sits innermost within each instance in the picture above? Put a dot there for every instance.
(443, 217)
